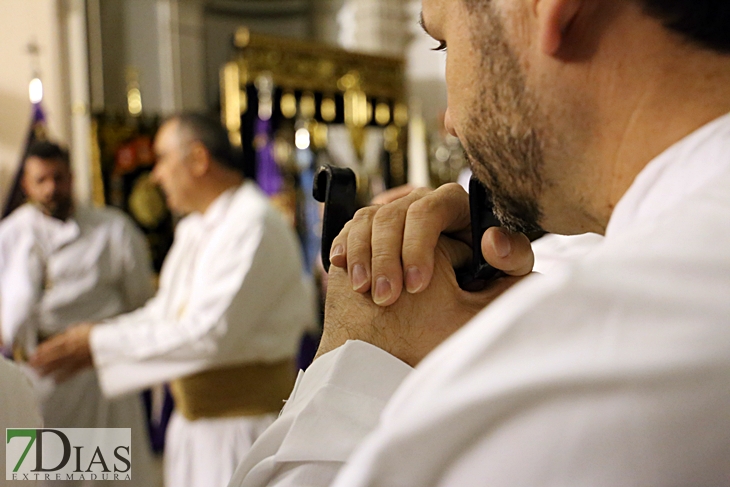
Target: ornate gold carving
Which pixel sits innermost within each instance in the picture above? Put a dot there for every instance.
(328, 109)
(382, 114)
(369, 87)
(307, 106)
(289, 105)
(308, 66)
(235, 101)
(400, 115)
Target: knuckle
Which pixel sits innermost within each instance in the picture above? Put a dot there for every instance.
(454, 189)
(412, 248)
(357, 244)
(389, 216)
(341, 237)
(381, 256)
(364, 215)
(422, 209)
(419, 193)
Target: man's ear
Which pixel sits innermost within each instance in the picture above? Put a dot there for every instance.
(199, 159)
(554, 18)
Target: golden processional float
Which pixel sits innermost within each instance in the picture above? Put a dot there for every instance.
(292, 106)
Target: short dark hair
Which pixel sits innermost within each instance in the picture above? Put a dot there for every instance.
(704, 22)
(44, 149)
(210, 132)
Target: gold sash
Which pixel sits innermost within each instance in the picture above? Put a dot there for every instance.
(239, 390)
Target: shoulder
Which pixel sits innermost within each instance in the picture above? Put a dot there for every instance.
(108, 216)
(104, 214)
(250, 199)
(252, 206)
(248, 211)
(20, 217)
(18, 223)
(187, 223)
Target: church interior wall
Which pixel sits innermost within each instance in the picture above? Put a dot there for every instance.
(174, 48)
(21, 23)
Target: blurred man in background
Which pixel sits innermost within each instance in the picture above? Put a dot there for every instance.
(226, 322)
(60, 264)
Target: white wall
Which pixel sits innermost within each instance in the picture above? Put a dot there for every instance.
(21, 22)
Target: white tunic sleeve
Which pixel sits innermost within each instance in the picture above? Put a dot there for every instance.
(334, 405)
(238, 280)
(21, 282)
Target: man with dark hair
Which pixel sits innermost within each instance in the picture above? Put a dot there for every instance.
(608, 116)
(60, 264)
(226, 322)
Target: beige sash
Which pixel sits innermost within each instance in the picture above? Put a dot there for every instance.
(239, 390)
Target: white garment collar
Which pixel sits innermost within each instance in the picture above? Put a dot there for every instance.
(219, 207)
(58, 232)
(679, 171)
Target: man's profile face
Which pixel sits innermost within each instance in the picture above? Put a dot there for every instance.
(47, 184)
(172, 171)
(490, 108)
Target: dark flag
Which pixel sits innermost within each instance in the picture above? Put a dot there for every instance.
(36, 132)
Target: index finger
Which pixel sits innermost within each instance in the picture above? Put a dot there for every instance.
(445, 210)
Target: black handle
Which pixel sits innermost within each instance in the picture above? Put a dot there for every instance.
(478, 274)
(336, 187)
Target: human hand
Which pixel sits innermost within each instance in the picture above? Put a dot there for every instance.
(65, 354)
(392, 194)
(416, 323)
(385, 248)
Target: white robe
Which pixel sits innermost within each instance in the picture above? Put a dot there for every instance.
(18, 407)
(613, 369)
(232, 291)
(56, 273)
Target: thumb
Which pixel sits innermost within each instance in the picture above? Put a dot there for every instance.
(510, 252)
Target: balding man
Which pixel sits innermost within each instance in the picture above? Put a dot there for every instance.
(226, 322)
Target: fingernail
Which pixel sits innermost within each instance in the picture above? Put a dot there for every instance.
(382, 290)
(414, 280)
(337, 251)
(502, 245)
(359, 277)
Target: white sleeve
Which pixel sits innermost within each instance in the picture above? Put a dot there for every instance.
(21, 283)
(229, 295)
(334, 405)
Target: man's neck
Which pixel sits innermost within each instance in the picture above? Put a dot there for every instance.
(61, 214)
(660, 121)
(648, 111)
(216, 187)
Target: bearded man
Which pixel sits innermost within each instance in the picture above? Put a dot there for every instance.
(607, 116)
(226, 322)
(61, 263)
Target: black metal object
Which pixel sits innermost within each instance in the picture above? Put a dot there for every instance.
(478, 274)
(336, 188)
